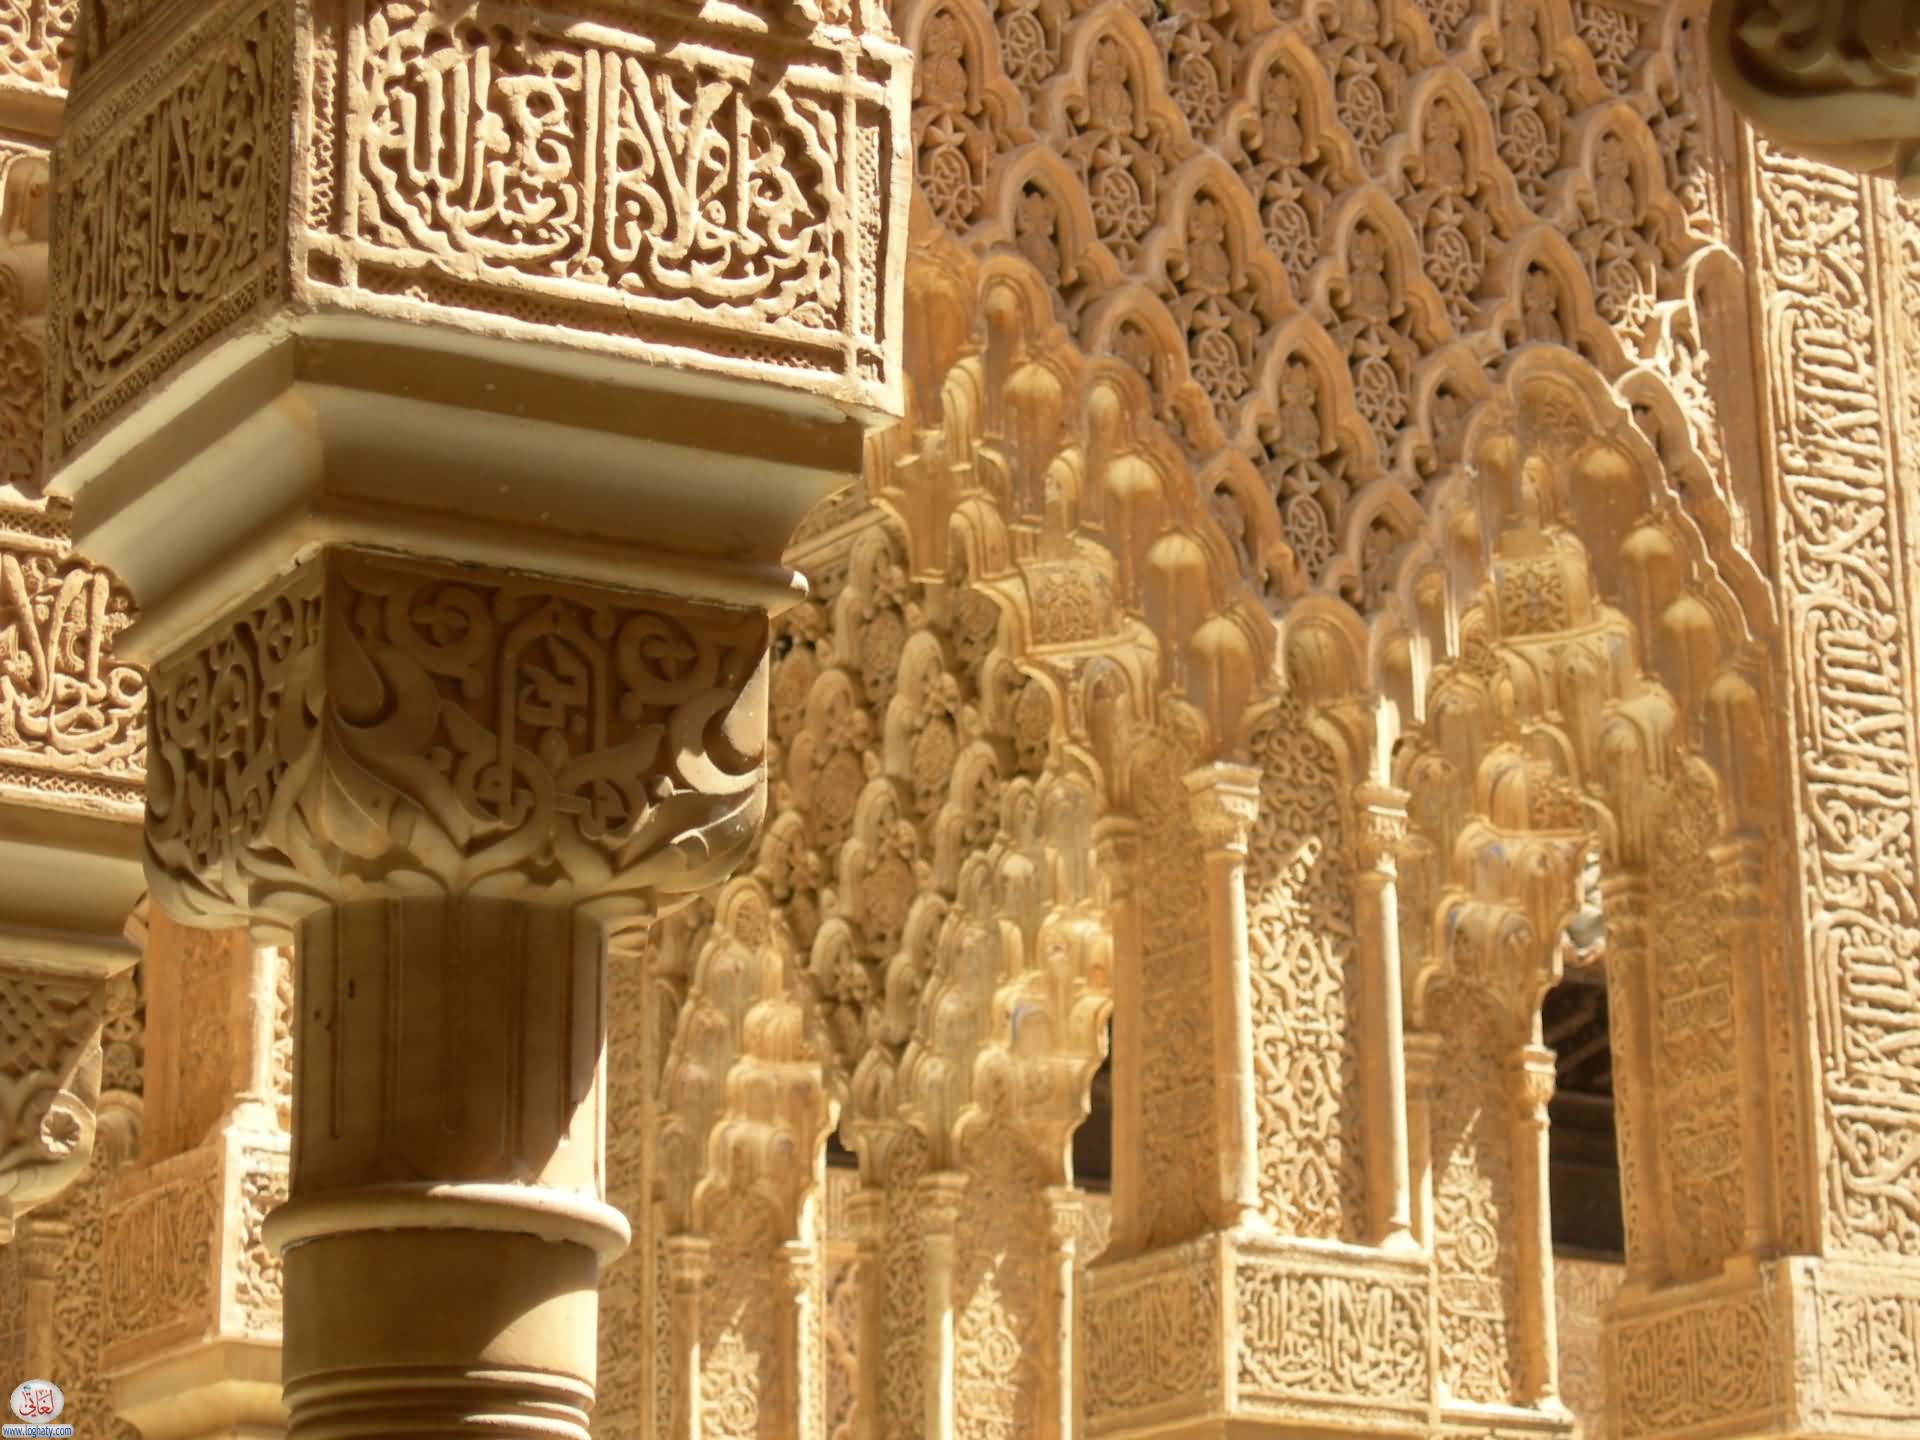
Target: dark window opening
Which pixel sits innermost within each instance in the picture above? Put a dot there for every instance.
(1093, 1141)
(1583, 1163)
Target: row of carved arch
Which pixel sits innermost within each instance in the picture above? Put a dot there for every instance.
(910, 748)
(1325, 400)
(1030, 622)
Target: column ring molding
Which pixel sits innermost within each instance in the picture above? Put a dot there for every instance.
(513, 1209)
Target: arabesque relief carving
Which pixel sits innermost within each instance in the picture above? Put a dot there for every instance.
(1491, 492)
(477, 726)
(50, 1082)
(1399, 507)
(501, 169)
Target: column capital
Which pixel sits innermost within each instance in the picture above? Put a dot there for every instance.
(688, 1258)
(1116, 846)
(1425, 1052)
(867, 1214)
(1381, 829)
(1536, 1075)
(1064, 1206)
(937, 1198)
(1831, 82)
(1226, 803)
(388, 727)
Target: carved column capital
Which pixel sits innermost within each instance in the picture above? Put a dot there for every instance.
(1381, 813)
(1064, 1206)
(1425, 1054)
(1832, 82)
(1226, 803)
(937, 1201)
(1742, 864)
(382, 726)
(1535, 1078)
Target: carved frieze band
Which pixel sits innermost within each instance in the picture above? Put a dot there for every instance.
(416, 729)
(1800, 1346)
(189, 144)
(1319, 1339)
(1153, 1336)
(725, 195)
(1716, 1364)
(1842, 546)
(1310, 1336)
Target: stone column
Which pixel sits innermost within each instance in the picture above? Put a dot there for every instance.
(798, 1270)
(939, 1197)
(1064, 1206)
(1116, 845)
(1226, 802)
(1752, 930)
(1533, 1084)
(1423, 1065)
(1382, 826)
(449, 442)
(1630, 997)
(867, 1210)
(687, 1268)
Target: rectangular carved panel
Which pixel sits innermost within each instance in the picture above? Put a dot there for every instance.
(701, 187)
(166, 210)
(1844, 574)
(186, 1259)
(1716, 1365)
(1318, 1338)
(73, 722)
(1153, 1337)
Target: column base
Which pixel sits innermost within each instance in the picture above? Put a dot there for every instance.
(1796, 1347)
(1242, 1335)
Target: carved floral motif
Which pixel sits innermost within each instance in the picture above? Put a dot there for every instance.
(481, 724)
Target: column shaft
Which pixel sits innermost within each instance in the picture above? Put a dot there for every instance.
(1533, 1082)
(445, 1231)
(1226, 799)
(1377, 893)
(939, 1197)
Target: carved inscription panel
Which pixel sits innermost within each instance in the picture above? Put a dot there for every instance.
(1841, 544)
(72, 719)
(710, 190)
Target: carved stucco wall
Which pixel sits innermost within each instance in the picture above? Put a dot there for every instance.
(1364, 393)
(1443, 317)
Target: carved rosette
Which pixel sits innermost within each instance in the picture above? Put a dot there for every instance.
(50, 1065)
(702, 186)
(388, 727)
